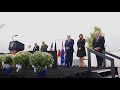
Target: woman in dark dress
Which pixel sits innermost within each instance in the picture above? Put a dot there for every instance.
(81, 53)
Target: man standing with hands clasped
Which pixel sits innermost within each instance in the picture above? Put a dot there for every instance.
(98, 45)
(69, 43)
(44, 47)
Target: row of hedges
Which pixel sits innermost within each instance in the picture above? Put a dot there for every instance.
(26, 59)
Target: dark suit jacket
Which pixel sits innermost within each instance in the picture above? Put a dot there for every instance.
(44, 48)
(69, 44)
(100, 43)
(36, 48)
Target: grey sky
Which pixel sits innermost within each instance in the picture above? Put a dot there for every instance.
(50, 26)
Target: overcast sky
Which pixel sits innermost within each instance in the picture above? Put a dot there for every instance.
(50, 26)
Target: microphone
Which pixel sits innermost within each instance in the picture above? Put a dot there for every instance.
(14, 36)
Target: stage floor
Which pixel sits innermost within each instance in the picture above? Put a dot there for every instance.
(62, 71)
(59, 72)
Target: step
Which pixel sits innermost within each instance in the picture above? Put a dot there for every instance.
(101, 70)
(110, 76)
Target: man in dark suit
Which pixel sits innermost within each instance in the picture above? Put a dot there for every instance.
(69, 43)
(44, 47)
(98, 45)
(36, 47)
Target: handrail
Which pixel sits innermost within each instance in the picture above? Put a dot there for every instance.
(100, 54)
(110, 54)
(115, 56)
(103, 56)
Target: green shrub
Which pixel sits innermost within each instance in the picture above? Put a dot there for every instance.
(22, 58)
(8, 59)
(41, 59)
(1, 58)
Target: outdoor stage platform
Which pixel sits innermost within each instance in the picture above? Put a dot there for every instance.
(59, 72)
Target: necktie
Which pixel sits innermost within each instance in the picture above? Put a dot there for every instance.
(97, 39)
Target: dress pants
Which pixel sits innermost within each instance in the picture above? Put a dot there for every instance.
(99, 61)
(69, 58)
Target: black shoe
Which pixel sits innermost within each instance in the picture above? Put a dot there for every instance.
(67, 65)
(100, 67)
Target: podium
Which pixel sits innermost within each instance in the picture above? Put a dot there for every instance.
(15, 46)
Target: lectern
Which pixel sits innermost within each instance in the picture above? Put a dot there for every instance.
(15, 46)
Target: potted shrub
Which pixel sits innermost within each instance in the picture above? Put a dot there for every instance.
(40, 60)
(21, 60)
(7, 62)
(1, 59)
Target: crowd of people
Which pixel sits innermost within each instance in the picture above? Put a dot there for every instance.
(97, 45)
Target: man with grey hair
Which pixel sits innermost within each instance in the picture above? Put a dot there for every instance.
(36, 47)
(98, 45)
(44, 47)
(69, 49)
